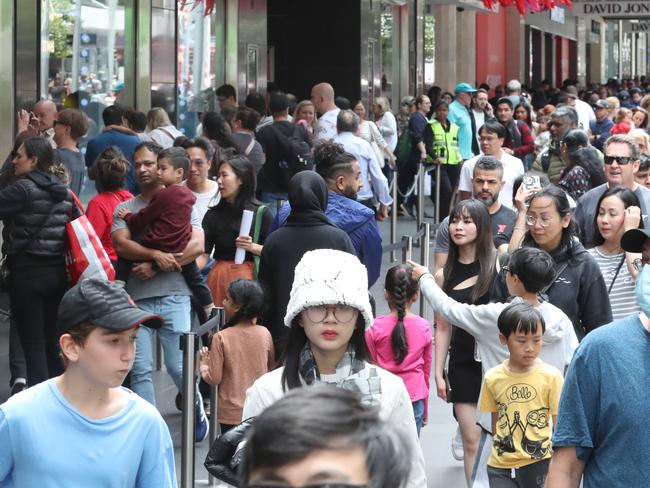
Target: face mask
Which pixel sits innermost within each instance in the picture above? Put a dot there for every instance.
(642, 288)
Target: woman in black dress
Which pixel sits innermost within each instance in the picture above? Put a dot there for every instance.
(466, 277)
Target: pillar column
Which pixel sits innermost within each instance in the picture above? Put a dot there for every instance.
(466, 47)
(446, 46)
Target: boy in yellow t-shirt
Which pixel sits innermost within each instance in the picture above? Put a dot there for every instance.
(522, 394)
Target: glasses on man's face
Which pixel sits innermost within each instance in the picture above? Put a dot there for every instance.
(506, 268)
(544, 221)
(621, 160)
(342, 313)
(319, 485)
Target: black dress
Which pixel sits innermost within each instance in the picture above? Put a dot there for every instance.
(465, 373)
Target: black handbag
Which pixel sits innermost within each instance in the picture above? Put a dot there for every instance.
(223, 459)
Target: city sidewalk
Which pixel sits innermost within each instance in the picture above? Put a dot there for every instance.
(442, 469)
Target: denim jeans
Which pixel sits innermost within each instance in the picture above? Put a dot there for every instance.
(418, 411)
(270, 199)
(175, 311)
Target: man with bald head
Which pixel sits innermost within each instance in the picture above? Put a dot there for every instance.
(322, 96)
(41, 119)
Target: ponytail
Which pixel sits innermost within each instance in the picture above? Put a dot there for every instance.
(400, 287)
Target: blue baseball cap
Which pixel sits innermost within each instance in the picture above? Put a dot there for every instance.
(464, 88)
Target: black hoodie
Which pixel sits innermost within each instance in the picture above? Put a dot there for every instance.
(35, 209)
(579, 290)
(307, 228)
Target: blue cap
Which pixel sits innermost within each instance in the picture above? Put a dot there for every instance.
(464, 88)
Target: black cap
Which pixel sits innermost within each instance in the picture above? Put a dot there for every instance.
(601, 104)
(633, 239)
(623, 95)
(104, 304)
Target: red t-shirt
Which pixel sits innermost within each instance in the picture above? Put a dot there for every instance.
(100, 214)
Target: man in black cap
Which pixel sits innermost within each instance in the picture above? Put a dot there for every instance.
(82, 428)
(599, 129)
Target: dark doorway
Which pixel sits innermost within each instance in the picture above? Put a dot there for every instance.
(314, 42)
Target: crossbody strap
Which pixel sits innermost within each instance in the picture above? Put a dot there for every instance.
(557, 275)
(256, 236)
(618, 269)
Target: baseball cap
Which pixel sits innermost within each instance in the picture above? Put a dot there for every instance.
(633, 239)
(464, 88)
(102, 303)
(601, 104)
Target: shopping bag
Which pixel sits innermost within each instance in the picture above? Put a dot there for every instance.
(85, 256)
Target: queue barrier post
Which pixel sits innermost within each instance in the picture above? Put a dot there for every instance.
(189, 343)
(438, 173)
(420, 209)
(424, 261)
(407, 249)
(214, 425)
(393, 215)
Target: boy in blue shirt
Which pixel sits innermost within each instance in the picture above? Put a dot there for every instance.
(82, 428)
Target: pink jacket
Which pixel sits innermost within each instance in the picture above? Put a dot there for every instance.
(415, 370)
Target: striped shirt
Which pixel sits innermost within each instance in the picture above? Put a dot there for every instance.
(622, 297)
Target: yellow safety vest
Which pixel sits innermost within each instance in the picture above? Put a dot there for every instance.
(445, 144)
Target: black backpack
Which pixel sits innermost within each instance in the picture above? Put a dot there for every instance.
(297, 153)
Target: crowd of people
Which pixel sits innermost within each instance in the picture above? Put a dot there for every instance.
(271, 211)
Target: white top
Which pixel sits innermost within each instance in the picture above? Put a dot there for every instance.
(205, 200)
(369, 132)
(164, 136)
(585, 114)
(388, 127)
(374, 181)
(395, 409)
(512, 168)
(326, 125)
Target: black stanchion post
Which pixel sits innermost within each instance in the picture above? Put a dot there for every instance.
(421, 173)
(393, 216)
(214, 424)
(424, 261)
(407, 249)
(189, 342)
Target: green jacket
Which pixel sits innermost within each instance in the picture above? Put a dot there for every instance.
(553, 163)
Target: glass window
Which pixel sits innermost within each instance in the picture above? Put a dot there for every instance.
(251, 68)
(83, 61)
(196, 51)
(429, 49)
(386, 33)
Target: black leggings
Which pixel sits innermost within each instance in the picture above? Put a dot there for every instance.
(449, 174)
(35, 294)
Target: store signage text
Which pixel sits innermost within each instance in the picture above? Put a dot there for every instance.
(614, 8)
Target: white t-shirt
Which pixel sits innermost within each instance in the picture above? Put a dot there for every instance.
(512, 168)
(326, 125)
(205, 200)
(164, 136)
(585, 114)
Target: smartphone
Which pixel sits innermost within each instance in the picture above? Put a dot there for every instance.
(530, 182)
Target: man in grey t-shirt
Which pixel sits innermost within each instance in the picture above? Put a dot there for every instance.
(156, 285)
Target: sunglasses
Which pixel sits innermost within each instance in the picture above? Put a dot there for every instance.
(621, 160)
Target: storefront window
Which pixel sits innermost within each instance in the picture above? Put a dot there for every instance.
(83, 54)
(196, 50)
(386, 50)
(429, 49)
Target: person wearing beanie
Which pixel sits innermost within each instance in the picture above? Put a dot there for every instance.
(327, 315)
(307, 228)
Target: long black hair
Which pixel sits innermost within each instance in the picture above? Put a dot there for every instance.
(589, 159)
(216, 129)
(296, 341)
(245, 171)
(625, 195)
(485, 252)
(249, 297)
(400, 287)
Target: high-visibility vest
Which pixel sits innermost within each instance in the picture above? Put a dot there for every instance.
(445, 144)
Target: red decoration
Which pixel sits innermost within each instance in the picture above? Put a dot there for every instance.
(209, 5)
(528, 5)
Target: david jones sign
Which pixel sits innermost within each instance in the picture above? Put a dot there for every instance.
(613, 8)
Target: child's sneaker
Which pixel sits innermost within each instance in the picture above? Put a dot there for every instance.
(201, 420)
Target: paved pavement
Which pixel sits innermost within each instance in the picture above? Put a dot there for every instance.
(442, 470)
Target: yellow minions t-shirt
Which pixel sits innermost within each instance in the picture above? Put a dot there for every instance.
(524, 404)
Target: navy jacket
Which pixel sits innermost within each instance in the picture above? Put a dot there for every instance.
(602, 130)
(358, 221)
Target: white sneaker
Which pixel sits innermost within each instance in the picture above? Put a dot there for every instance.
(457, 446)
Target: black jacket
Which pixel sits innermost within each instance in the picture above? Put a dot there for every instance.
(306, 229)
(35, 209)
(579, 291)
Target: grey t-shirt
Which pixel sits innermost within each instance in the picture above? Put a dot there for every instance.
(162, 284)
(76, 166)
(503, 221)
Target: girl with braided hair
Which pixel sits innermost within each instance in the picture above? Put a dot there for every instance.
(239, 353)
(401, 341)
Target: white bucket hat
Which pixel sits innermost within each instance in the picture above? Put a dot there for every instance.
(329, 277)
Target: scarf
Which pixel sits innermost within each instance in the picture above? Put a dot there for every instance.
(351, 374)
(308, 199)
